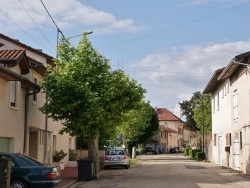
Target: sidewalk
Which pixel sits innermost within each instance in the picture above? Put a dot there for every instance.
(69, 176)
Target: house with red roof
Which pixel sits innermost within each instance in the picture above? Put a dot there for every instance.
(173, 131)
(23, 128)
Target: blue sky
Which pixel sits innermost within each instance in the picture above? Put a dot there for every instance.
(170, 47)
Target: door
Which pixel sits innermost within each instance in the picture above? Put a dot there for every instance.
(220, 151)
(237, 154)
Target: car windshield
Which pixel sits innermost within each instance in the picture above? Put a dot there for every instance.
(116, 152)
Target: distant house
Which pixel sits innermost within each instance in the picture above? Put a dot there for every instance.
(230, 99)
(173, 131)
(23, 127)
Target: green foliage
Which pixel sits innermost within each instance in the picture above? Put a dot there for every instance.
(59, 155)
(142, 151)
(200, 156)
(85, 94)
(139, 124)
(187, 107)
(72, 154)
(186, 150)
(192, 153)
(133, 161)
(202, 114)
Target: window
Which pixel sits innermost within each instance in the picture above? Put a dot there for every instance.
(235, 105)
(213, 105)
(217, 102)
(13, 93)
(214, 139)
(35, 95)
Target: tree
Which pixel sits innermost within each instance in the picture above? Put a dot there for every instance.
(139, 124)
(86, 95)
(186, 107)
(202, 114)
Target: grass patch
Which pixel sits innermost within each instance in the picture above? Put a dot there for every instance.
(133, 161)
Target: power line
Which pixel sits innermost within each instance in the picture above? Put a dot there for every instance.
(58, 30)
(23, 30)
(36, 24)
(178, 26)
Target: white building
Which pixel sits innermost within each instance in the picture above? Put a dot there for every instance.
(230, 99)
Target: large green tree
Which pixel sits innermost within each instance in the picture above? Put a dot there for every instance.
(87, 95)
(187, 107)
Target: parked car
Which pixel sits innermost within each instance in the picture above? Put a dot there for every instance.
(26, 172)
(150, 150)
(174, 150)
(116, 157)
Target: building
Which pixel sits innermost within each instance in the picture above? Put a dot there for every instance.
(230, 99)
(173, 131)
(24, 128)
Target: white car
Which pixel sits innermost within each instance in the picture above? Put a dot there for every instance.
(116, 157)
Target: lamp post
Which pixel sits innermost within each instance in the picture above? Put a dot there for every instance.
(202, 128)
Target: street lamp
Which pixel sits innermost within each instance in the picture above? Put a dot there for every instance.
(83, 33)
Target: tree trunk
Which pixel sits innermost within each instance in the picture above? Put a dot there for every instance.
(93, 149)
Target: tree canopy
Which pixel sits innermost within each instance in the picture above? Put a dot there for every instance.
(86, 94)
(187, 107)
(139, 124)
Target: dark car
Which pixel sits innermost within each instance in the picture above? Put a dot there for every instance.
(174, 150)
(150, 150)
(26, 172)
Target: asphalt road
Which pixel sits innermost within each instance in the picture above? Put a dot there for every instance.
(168, 170)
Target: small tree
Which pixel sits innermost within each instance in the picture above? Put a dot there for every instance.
(187, 107)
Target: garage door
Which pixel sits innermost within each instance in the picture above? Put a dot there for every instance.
(4, 144)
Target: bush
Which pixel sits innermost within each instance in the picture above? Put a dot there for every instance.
(142, 151)
(72, 154)
(186, 151)
(200, 156)
(192, 153)
(59, 155)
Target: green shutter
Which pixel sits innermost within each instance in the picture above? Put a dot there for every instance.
(4, 144)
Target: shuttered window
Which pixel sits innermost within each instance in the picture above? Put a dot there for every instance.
(4, 144)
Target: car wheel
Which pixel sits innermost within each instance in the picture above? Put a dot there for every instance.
(106, 167)
(127, 166)
(18, 183)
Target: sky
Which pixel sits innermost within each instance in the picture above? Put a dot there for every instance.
(172, 48)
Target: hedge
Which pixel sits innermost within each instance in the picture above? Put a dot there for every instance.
(192, 153)
(200, 156)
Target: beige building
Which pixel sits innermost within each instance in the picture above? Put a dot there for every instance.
(23, 128)
(173, 131)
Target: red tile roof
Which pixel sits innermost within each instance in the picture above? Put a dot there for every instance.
(11, 55)
(165, 115)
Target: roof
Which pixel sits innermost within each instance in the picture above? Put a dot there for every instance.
(227, 71)
(165, 115)
(162, 127)
(212, 84)
(17, 42)
(11, 58)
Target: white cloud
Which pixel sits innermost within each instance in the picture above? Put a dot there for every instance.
(173, 76)
(67, 15)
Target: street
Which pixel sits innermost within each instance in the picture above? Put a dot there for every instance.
(168, 170)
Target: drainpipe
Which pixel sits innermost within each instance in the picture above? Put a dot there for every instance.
(26, 108)
(45, 158)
